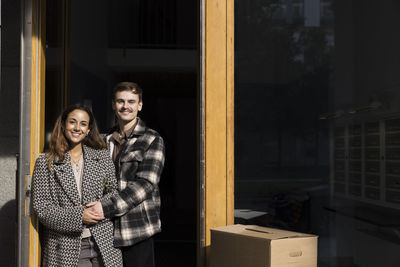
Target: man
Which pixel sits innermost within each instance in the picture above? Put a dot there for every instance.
(138, 154)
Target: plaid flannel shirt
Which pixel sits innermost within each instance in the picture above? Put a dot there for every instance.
(137, 206)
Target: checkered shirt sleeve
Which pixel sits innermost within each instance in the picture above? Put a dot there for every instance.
(135, 190)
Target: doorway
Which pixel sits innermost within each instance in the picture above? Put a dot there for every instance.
(92, 45)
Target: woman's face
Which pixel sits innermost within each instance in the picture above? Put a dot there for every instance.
(77, 126)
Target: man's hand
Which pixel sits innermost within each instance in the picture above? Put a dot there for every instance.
(91, 217)
(95, 208)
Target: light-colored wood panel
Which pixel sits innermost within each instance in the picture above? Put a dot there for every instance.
(218, 114)
(37, 112)
(215, 116)
(230, 135)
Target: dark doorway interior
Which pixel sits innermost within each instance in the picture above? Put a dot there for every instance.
(170, 107)
(153, 43)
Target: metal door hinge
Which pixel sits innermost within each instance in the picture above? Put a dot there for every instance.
(28, 194)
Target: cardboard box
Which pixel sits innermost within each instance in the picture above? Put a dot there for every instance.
(255, 246)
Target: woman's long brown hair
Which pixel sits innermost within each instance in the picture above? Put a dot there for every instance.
(59, 144)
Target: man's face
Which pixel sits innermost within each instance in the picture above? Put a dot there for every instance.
(126, 106)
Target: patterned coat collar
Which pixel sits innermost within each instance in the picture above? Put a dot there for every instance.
(88, 153)
(65, 175)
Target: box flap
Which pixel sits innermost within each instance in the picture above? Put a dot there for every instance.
(260, 232)
(274, 234)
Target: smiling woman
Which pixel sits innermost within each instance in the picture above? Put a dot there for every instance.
(77, 127)
(70, 175)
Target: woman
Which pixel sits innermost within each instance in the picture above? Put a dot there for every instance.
(75, 171)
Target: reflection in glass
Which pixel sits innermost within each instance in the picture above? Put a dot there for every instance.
(317, 123)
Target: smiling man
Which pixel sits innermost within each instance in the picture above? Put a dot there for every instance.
(138, 154)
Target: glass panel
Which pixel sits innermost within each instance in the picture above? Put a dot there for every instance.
(317, 124)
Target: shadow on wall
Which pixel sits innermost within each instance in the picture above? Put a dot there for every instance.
(8, 236)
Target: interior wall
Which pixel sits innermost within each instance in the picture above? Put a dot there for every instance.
(9, 123)
(89, 72)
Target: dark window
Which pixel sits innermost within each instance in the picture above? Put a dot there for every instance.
(317, 124)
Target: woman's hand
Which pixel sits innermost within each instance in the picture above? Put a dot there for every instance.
(90, 217)
(96, 208)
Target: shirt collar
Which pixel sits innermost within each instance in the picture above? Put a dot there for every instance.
(137, 129)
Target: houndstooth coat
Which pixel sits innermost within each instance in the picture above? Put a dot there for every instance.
(56, 202)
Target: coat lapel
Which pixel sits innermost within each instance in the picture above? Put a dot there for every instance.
(63, 170)
(92, 183)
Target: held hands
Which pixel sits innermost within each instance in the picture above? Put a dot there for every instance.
(90, 217)
(93, 213)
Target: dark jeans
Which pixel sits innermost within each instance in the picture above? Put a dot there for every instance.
(140, 254)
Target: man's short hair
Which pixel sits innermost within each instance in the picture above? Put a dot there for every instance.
(128, 86)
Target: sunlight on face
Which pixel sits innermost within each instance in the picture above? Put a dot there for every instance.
(77, 126)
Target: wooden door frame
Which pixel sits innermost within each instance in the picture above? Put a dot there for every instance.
(32, 126)
(32, 89)
(216, 201)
